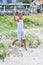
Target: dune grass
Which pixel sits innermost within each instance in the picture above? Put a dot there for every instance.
(7, 23)
(34, 21)
(8, 27)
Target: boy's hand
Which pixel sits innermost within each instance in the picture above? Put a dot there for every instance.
(15, 16)
(14, 13)
(25, 27)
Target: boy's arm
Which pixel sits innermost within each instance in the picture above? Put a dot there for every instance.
(25, 26)
(15, 16)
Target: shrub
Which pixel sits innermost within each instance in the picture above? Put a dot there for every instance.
(33, 21)
(33, 40)
(4, 51)
(7, 23)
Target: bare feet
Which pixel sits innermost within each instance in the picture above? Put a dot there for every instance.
(13, 42)
(26, 49)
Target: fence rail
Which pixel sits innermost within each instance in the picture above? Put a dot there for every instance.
(15, 4)
(4, 10)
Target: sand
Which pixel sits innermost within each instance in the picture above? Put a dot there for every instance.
(33, 56)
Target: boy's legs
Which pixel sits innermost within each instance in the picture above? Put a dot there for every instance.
(21, 35)
(14, 41)
(24, 41)
(18, 38)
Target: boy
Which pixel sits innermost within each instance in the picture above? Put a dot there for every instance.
(20, 31)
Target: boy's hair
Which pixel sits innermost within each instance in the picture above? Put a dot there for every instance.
(20, 13)
(15, 12)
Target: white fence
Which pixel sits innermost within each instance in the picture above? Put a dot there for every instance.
(4, 10)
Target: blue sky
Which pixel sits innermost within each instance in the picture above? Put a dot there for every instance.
(9, 1)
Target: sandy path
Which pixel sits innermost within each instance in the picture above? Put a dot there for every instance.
(34, 56)
(31, 57)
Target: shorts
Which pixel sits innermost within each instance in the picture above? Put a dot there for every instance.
(20, 35)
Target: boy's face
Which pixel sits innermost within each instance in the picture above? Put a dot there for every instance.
(20, 16)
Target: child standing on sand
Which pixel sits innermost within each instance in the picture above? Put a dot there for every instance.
(20, 28)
